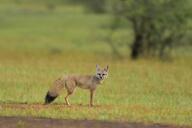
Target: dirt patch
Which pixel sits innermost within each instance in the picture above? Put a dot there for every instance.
(30, 122)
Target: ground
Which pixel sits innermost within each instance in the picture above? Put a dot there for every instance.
(34, 122)
(30, 122)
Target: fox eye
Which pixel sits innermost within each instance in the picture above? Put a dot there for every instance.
(98, 74)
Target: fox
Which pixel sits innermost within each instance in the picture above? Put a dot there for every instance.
(70, 82)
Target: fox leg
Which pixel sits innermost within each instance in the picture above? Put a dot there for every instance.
(70, 86)
(91, 97)
(66, 98)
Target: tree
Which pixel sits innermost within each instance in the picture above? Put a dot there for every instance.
(157, 24)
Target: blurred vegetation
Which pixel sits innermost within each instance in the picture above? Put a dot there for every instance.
(136, 27)
(96, 6)
(157, 25)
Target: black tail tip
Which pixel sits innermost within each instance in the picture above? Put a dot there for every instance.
(49, 98)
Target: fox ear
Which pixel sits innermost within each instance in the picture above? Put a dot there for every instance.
(107, 68)
(97, 67)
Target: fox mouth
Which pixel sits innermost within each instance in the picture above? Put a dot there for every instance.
(99, 77)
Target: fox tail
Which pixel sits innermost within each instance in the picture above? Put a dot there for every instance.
(49, 98)
(54, 91)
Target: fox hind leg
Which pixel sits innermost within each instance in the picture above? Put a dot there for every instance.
(66, 98)
(70, 86)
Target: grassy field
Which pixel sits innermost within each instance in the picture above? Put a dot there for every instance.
(38, 45)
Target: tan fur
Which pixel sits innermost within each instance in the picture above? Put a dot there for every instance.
(70, 82)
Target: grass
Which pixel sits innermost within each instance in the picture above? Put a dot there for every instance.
(37, 46)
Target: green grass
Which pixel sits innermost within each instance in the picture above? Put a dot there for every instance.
(50, 30)
(135, 91)
(38, 45)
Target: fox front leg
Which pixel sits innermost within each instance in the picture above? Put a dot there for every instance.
(91, 97)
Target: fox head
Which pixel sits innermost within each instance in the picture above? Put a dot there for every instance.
(102, 73)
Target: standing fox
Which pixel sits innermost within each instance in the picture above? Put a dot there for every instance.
(70, 82)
